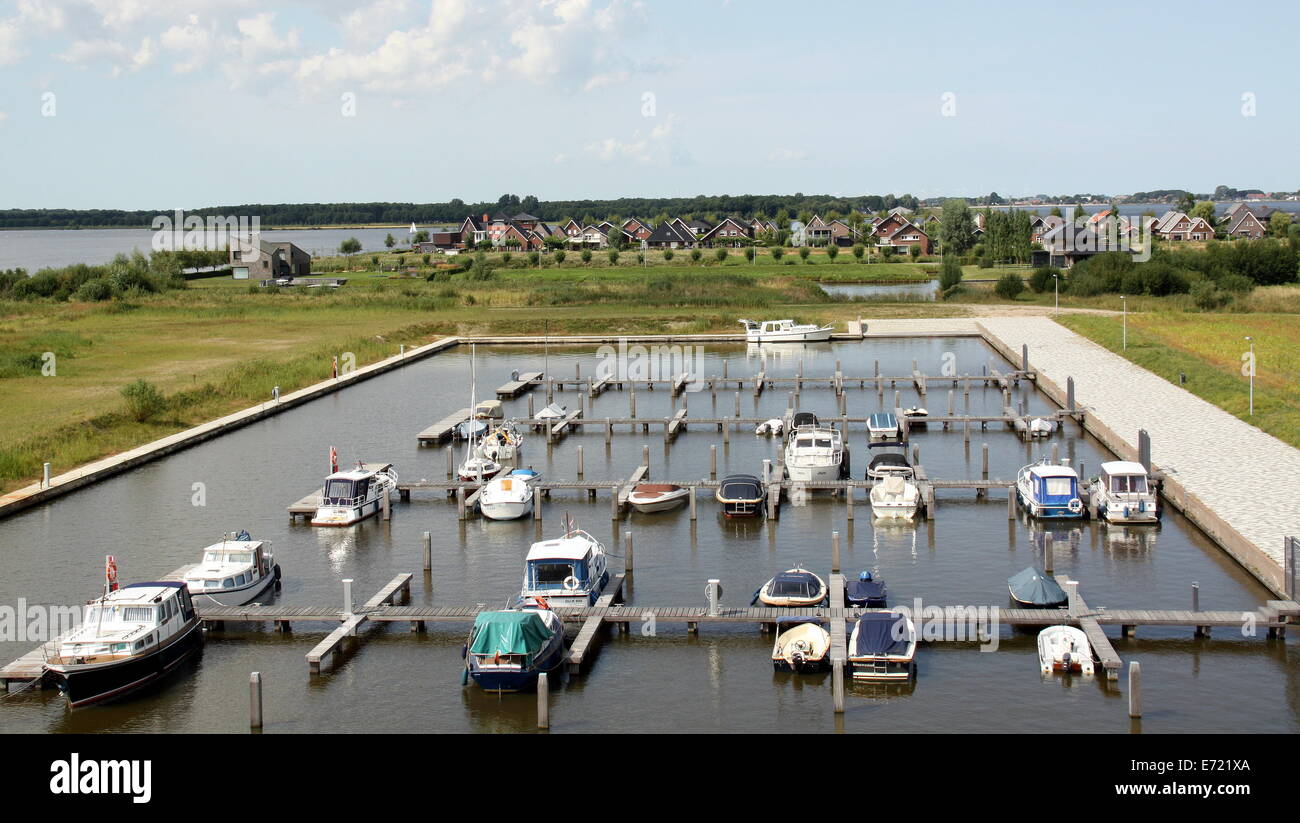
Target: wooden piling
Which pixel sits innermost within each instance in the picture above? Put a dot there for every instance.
(713, 461)
(451, 461)
(537, 504)
(530, 405)
(543, 701)
(693, 503)
(1069, 394)
(1049, 554)
(627, 551)
(849, 494)
(613, 503)
(460, 502)
(984, 460)
(837, 684)
(737, 404)
(580, 460)
(255, 700)
(835, 552)
(645, 460)
(1011, 502)
(1134, 689)
(428, 551)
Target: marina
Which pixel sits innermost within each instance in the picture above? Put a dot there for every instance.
(967, 539)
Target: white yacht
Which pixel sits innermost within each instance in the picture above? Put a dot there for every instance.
(814, 453)
(1123, 493)
(233, 572)
(785, 331)
(569, 571)
(130, 638)
(351, 496)
(508, 496)
(477, 466)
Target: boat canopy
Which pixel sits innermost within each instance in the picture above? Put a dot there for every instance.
(882, 633)
(741, 487)
(1055, 489)
(889, 459)
(795, 584)
(859, 591)
(512, 632)
(883, 420)
(1034, 586)
(805, 419)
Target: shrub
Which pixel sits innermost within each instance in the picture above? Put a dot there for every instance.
(613, 257)
(749, 253)
(859, 250)
(94, 291)
(804, 251)
(1009, 286)
(559, 255)
(832, 252)
(949, 272)
(720, 255)
(586, 255)
(143, 400)
(1041, 280)
(505, 259)
(915, 252)
(374, 258)
(984, 262)
(696, 254)
(1236, 283)
(1208, 297)
(668, 254)
(534, 257)
(425, 259)
(777, 253)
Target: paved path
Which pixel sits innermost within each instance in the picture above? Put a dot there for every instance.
(1249, 478)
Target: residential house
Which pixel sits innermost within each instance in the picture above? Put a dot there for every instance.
(1262, 213)
(1177, 225)
(258, 259)
(731, 231)
(636, 230)
(671, 234)
(1247, 224)
(1068, 243)
(817, 232)
(571, 228)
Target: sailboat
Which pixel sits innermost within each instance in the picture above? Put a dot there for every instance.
(476, 466)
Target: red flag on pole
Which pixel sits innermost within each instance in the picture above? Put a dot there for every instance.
(110, 572)
(334, 460)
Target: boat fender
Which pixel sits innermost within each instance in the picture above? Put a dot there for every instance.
(276, 572)
(464, 651)
(572, 583)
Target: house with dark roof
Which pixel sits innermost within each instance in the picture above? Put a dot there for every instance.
(671, 234)
(732, 231)
(635, 229)
(258, 259)
(1069, 243)
(1247, 224)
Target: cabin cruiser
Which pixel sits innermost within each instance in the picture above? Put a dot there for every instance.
(233, 572)
(882, 426)
(792, 588)
(507, 649)
(1033, 588)
(815, 453)
(130, 638)
(1064, 649)
(567, 572)
(1049, 491)
(1123, 493)
(351, 496)
(785, 331)
(883, 647)
(893, 495)
(802, 645)
(503, 443)
(509, 496)
(867, 592)
(657, 497)
(741, 495)
(552, 412)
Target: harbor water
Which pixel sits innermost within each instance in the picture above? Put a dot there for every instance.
(159, 516)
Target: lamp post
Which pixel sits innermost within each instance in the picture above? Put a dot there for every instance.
(1057, 278)
(1124, 304)
(1252, 375)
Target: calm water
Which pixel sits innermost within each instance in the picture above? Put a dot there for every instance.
(882, 291)
(720, 680)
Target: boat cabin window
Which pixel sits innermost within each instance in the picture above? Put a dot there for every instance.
(803, 443)
(554, 573)
(1129, 483)
(1058, 486)
(337, 489)
(823, 442)
(221, 556)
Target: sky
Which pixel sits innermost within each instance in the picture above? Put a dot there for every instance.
(164, 104)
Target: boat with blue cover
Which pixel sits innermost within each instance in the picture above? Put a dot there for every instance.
(1051, 491)
(866, 592)
(883, 647)
(1033, 588)
(507, 649)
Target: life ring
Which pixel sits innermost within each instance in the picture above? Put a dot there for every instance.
(1075, 505)
(572, 583)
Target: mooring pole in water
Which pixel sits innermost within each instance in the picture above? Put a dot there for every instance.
(387, 506)
(1011, 502)
(550, 390)
(849, 493)
(428, 551)
(1072, 597)
(835, 552)
(460, 502)
(984, 459)
(627, 551)
(255, 700)
(537, 504)
(1196, 597)
(580, 460)
(898, 399)
(1134, 689)
(347, 596)
(1049, 554)
(737, 404)
(1056, 453)
(613, 503)
(645, 460)
(1024, 357)
(1069, 393)
(543, 701)
(609, 432)
(530, 405)
(767, 471)
(713, 461)
(692, 504)
(837, 683)
(451, 460)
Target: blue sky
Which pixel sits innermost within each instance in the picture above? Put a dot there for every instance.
(166, 104)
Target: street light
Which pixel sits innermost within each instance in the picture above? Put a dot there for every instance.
(1124, 304)
(1057, 278)
(1252, 375)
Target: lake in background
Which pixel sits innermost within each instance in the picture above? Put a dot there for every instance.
(882, 291)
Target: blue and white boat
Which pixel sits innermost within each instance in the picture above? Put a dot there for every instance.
(882, 426)
(567, 572)
(507, 649)
(1049, 491)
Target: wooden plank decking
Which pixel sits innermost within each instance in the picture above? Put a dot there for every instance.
(444, 428)
(527, 381)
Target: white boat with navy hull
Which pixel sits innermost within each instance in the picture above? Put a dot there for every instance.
(1123, 493)
(351, 496)
(567, 572)
(235, 571)
(130, 638)
(785, 331)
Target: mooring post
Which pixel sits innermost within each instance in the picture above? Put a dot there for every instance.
(1196, 597)
(1056, 453)
(1144, 449)
(767, 471)
(530, 405)
(613, 502)
(577, 370)
(255, 700)
(849, 494)
(1069, 394)
(45, 476)
(645, 460)
(609, 432)
(1134, 689)
(550, 390)
(898, 398)
(713, 461)
(451, 461)
(387, 504)
(737, 404)
(1072, 597)
(580, 460)
(1011, 502)
(1049, 554)
(965, 436)
(631, 402)
(543, 701)
(460, 502)
(692, 503)
(837, 683)
(1024, 357)
(537, 504)
(789, 400)
(347, 596)
(714, 592)
(726, 434)
(835, 552)
(984, 460)
(627, 551)
(428, 551)
(724, 369)
(952, 404)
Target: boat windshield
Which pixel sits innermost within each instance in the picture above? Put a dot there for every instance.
(1129, 484)
(551, 574)
(338, 489)
(794, 586)
(219, 556)
(120, 614)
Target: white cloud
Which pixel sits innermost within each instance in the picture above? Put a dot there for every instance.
(10, 53)
(639, 149)
(122, 58)
(195, 42)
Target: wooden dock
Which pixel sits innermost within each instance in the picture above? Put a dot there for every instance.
(526, 381)
(590, 632)
(444, 428)
(558, 430)
(307, 506)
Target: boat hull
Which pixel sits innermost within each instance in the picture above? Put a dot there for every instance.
(815, 474)
(660, 505)
(338, 516)
(234, 597)
(505, 510)
(101, 683)
(883, 670)
(813, 336)
(519, 680)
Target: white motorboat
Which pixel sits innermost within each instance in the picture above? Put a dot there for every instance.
(1041, 427)
(1123, 493)
(883, 647)
(129, 639)
(896, 497)
(792, 588)
(741, 495)
(509, 496)
(802, 644)
(916, 416)
(552, 412)
(569, 571)
(504, 443)
(1049, 491)
(1064, 649)
(233, 572)
(889, 464)
(657, 497)
(785, 331)
(882, 426)
(770, 428)
(815, 453)
(351, 496)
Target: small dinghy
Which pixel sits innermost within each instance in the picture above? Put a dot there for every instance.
(508, 497)
(792, 588)
(657, 497)
(916, 417)
(883, 647)
(866, 592)
(802, 645)
(1064, 649)
(741, 495)
(552, 412)
(1033, 589)
(771, 428)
